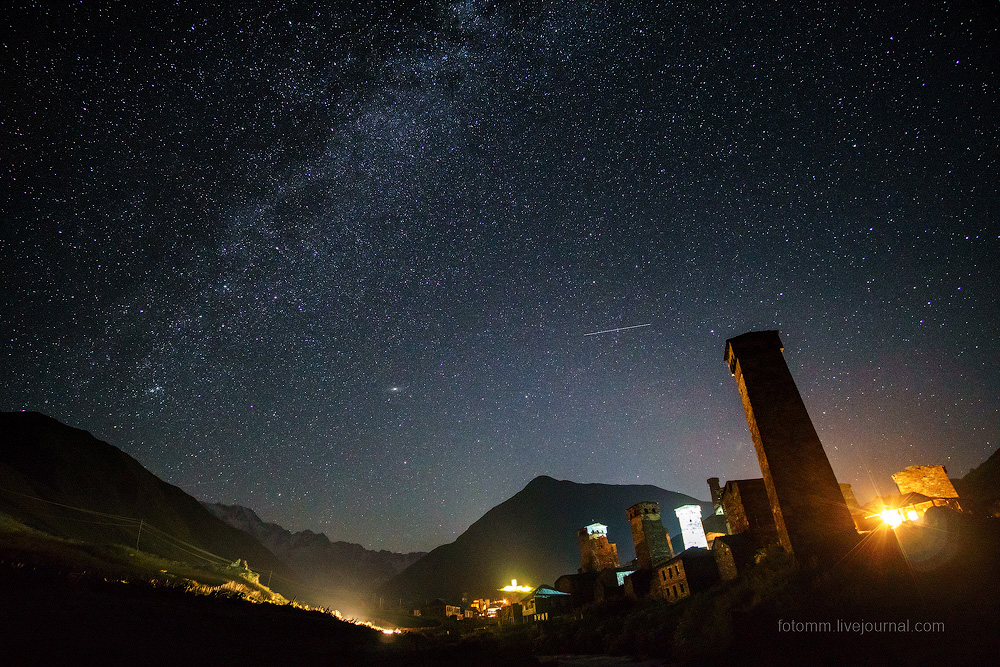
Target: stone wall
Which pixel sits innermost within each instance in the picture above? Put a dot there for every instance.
(748, 509)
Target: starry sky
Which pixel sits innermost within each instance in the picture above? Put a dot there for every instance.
(337, 261)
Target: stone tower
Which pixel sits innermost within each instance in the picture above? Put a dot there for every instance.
(652, 543)
(716, 490)
(714, 525)
(596, 553)
(809, 510)
(692, 532)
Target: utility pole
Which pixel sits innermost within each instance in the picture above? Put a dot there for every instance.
(139, 534)
(269, 578)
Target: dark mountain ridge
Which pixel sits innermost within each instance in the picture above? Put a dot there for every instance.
(335, 569)
(979, 490)
(531, 537)
(65, 482)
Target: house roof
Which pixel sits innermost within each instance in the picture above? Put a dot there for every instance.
(545, 591)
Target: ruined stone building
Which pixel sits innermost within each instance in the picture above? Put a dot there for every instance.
(920, 488)
(733, 553)
(596, 553)
(637, 584)
(716, 491)
(590, 587)
(849, 497)
(929, 481)
(512, 614)
(611, 583)
(810, 514)
(747, 510)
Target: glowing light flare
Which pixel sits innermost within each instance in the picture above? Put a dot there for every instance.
(892, 518)
(895, 517)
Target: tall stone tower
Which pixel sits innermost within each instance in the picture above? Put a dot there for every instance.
(692, 532)
(652, 543)
(809, 510)
(716, 490)
(596, 553)
(714, 525)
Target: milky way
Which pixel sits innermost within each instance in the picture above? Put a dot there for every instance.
(339, 264)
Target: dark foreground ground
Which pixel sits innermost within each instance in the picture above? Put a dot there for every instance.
(60, 621)
(929, 595)
(926, 594)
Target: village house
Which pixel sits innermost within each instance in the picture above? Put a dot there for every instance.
(544, 603)
(692, 571)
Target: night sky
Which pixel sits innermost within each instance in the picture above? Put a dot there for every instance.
(337, 264)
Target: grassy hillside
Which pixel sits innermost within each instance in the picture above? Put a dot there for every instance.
(67, 484)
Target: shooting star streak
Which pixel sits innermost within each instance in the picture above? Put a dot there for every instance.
(634, 326)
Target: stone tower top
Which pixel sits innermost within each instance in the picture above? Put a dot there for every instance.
(596, 553)
(692, 531)
(647, 509)
(751, 343)
(593, 531)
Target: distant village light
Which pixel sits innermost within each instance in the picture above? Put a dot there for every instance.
(514, 588)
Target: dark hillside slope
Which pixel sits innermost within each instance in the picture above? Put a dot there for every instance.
(65, 482)
(980, 488)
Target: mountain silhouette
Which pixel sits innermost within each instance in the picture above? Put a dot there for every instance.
(65, 482)
(531, 537)
(340, 572)
(979, 490)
